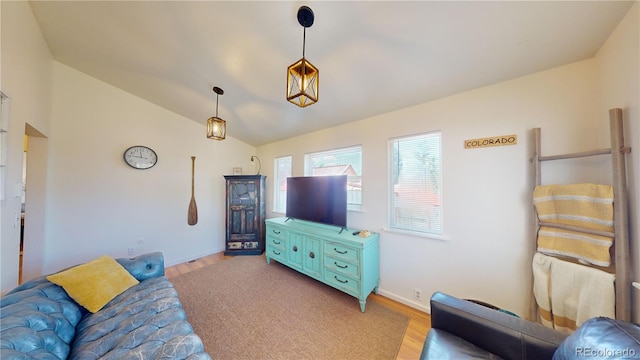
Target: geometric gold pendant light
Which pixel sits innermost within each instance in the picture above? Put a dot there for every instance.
(302, 76)
(216, 127)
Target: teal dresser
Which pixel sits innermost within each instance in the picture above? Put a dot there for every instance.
(344, 261)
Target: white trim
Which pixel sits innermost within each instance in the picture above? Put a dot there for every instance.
(417, 234)
(405, 301)
(276, 184)
(187, 259)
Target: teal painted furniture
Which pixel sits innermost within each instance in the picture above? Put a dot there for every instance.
(342, 260)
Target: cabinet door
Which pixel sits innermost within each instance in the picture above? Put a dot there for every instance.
(243, 207)
(295, 251)
(313, 255)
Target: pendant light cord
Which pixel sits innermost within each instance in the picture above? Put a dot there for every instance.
(217, 96)
(304, 39)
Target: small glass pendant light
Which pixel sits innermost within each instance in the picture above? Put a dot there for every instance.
(216, 127)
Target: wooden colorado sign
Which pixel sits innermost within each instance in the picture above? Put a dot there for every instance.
(502, 140)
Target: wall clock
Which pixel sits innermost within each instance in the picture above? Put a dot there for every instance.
(140, 157)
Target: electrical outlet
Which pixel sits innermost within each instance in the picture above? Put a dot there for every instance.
(130, 251)
(417, 293)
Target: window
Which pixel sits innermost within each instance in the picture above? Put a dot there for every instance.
(282, 171)
(415, 183)
(347, 161)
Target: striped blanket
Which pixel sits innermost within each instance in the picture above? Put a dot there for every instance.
(587, 206)
(568, 294)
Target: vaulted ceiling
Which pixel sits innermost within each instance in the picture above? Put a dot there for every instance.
(374, 56)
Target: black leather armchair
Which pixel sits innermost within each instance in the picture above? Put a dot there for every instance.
(462, 329)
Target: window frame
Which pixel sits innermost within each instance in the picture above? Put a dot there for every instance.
(351, 206)
(276, 184)
(392, 225)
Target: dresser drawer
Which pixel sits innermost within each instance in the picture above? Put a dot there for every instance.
(275, 232)
(275, 242)
(341, 252)
(275, 253)
(341, 266)
(342, 282)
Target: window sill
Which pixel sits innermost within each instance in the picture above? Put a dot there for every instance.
(417, 234)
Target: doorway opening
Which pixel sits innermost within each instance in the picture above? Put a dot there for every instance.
(34, 170)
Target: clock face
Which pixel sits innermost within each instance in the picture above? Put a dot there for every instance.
(140, 157)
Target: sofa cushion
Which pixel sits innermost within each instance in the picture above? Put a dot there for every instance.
(442, 345)
(146, 321)
(94, 283)
(37, 319)
(601, 338)
(145, 266)
(502, 334)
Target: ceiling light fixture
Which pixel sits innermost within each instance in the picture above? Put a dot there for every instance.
(216, 127)
(302, 76)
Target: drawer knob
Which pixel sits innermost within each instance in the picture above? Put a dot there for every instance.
(276, 242)
(340, 252)
(342, 281)
(276, 232)
(295, 248)
(312, 255)
(277, 253)
(341, 267)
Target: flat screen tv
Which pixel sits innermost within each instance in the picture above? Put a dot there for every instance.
(321, 199)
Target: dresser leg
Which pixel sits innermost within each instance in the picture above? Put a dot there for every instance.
(362, 304)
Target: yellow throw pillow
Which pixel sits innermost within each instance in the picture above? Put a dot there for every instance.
(94, 284)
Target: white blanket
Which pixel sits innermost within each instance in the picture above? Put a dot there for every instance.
(568, 294)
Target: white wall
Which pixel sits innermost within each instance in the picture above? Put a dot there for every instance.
(96, 204)
(486, 192)
(486, 253)
(618, 84)
(27, 80)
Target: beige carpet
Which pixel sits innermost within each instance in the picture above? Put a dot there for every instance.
(243, 308)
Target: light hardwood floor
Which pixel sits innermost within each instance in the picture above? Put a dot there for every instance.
(419, 322)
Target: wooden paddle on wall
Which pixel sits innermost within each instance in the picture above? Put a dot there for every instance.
(192, 218)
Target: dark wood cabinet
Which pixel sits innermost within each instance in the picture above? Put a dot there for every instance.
(245, 214)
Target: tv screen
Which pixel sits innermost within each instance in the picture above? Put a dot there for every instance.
(321, 199)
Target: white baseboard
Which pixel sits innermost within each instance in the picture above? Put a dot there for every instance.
(192, 257)
(405, 301)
